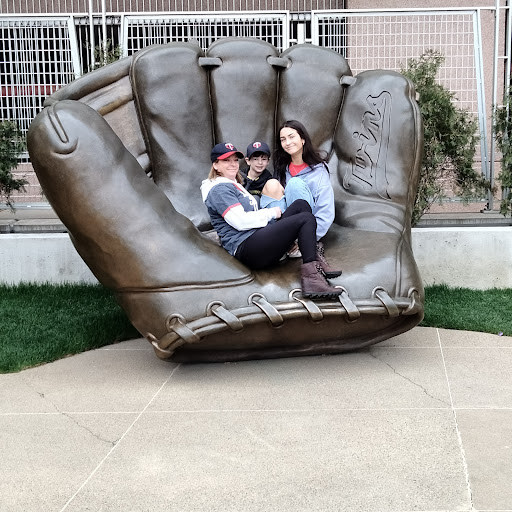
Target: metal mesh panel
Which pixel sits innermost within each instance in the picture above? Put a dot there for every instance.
(89, 45)
(35, 60)
(389, 40)
(144, 31)
(36, 54)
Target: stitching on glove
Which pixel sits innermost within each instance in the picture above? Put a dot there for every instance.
(415, 306)
(348, 80)
(205, 62)
(259, 307)
(218, 309)
(57, 126)
(177, 323)
(279, 62)
(270, 311)
(387, 301)
(315, 313)
(353, 313)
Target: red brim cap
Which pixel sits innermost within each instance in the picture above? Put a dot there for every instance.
(229, 153)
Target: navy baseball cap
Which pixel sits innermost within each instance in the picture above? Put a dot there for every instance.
(224, 150)
(257, 147)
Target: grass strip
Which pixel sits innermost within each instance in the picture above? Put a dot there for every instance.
(43, 323)
(469, 310)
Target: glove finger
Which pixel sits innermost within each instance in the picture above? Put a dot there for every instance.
(378, 147)
(310, 91)
(378, 143)
(108, 90)
(121, 223)
(243, 91)
(171, 93)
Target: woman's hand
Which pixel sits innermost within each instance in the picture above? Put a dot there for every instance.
(277, 212)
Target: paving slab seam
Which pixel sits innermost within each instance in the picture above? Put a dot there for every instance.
(64, 413)
(488, 408)
(459, 437)
(479, 347)
(202, 411)
(96, 469)
(375, 349)
(330, 409)
(423, 347)
(485, 349)
(4, 414)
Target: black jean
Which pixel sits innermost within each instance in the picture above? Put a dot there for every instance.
(267, 245)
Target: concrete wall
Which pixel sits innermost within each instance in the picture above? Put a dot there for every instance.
(40, 258)
(472, 257)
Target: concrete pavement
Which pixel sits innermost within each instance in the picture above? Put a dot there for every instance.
(420, 422)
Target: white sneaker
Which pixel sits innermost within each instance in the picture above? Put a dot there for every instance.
(294, 251)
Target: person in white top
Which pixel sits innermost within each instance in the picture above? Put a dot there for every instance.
(260, 237)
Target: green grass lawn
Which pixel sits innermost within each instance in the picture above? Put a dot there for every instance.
(43, 323)
(469, 310)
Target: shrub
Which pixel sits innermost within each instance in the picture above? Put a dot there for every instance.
(503, 136)
(12, 144)
(104, 55)
(450, 139)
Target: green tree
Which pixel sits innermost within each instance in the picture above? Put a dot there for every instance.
(12, 144)
(450, 137)
(503, 136)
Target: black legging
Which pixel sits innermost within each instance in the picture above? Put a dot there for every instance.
(267, 245)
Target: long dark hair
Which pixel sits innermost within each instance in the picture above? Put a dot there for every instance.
(282, 159)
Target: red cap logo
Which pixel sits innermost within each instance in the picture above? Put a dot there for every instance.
(230, 146)
(256, 145)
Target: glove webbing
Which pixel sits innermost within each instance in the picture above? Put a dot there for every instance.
(219, 318)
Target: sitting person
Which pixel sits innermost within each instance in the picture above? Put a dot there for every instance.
(258, 181)
(255, 236)
(256, 175)
(296, 158)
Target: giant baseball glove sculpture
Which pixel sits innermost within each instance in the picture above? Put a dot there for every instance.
(121, 153)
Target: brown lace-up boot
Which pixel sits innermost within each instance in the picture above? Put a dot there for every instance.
(328, 271)
(314, 284)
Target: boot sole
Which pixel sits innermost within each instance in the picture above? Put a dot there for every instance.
(321, 295)
(331, 275)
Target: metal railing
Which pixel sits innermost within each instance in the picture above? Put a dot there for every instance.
(38, 54)
(140, 31)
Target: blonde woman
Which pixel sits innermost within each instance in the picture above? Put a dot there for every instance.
(260, 237)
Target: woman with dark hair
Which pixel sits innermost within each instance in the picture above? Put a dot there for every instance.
(255, 236)
(295, 157)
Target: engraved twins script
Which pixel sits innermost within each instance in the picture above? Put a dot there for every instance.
(368, 168)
